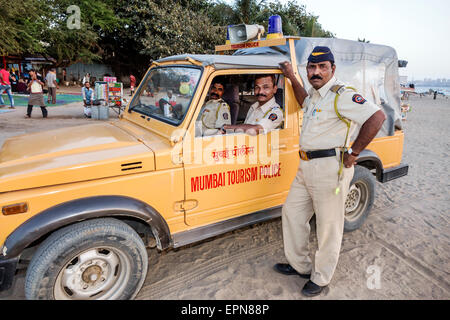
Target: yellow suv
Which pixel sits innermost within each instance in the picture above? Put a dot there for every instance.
(88, 199)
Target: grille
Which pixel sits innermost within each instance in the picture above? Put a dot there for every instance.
(131, 166)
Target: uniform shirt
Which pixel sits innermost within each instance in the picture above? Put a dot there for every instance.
(215, 114)
(322, 129)
(269, 115)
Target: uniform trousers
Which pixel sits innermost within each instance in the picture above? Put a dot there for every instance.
(313, 192)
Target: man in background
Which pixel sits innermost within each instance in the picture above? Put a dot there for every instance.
(5, 85)
(52, 85)
(132, 84)
(88, 98)
(36, 98)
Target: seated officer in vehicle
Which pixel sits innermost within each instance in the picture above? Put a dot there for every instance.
(216, 112)
(264, 115)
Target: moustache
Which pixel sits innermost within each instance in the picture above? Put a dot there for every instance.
(214, 95)
(261, 95)
(315, 77)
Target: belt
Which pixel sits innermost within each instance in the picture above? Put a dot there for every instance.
(309, 155)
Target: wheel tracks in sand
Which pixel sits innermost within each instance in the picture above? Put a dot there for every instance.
(166, 287)
(171, 284)
(411, 261)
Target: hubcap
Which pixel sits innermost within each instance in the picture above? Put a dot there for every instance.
(98, 273)
(353, 198)
(357, 201)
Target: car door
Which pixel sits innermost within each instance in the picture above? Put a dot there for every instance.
(234, 174)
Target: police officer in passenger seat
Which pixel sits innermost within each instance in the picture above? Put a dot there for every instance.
(326, 168)
(216, 112)
(265, 114)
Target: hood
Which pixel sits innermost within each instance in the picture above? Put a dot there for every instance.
(69, 155)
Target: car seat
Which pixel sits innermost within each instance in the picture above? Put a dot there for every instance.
(231, 96)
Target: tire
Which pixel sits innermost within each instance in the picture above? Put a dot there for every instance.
(94, 259)
(360, 198)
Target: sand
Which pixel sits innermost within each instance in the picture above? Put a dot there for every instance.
(405, 240)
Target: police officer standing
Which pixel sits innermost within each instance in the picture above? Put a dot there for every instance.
(216, 112)
(326, 168)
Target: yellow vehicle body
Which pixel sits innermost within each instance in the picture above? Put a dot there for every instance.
(87, 161)
(145, 160)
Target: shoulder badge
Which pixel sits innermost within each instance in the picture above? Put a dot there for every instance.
(225, 116)
(273, 116)
(357, 98)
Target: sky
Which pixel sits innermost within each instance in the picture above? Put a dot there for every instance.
(419, 30)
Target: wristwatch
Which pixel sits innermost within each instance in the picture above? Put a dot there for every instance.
(350, 151)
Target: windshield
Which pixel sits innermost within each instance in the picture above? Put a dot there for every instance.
(166, 93)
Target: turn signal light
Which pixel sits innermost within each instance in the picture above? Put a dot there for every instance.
(15, 209)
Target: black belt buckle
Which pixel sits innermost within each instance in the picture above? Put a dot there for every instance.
(304, 155)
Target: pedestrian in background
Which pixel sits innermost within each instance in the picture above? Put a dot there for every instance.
(35, 86)
(5, 85)
(52, 85)
(132, 84)
(86, 78)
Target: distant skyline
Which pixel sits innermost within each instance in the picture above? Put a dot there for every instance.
(417, 29)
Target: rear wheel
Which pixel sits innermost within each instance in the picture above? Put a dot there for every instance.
(359, 199)
(94, 259)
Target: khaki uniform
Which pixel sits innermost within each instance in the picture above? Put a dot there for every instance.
(313, 189)
(214, 115)
(269, 115)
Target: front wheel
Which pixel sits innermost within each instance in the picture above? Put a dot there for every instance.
(360, 198)
(94, 259)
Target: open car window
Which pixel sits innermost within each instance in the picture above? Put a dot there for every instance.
(239, 94)
(166, 93)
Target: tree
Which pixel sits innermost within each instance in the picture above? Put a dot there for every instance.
(295, 19)
(40, 26)
(158, 28)
(69, 44)
(21, 27)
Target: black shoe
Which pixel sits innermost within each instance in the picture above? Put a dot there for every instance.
(311, 289)
(287, 270)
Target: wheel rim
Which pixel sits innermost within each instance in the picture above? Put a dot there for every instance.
(357, 200)
(97, 273)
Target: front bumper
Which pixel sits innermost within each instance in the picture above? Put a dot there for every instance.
(8, 269)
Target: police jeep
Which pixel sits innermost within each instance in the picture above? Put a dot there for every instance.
(85, 206)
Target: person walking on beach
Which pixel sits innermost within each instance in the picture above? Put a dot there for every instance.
(36, 95)
(52, 85)
(5, 85)
(326, 169)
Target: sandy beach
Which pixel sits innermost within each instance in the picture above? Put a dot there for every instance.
(406, 239)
